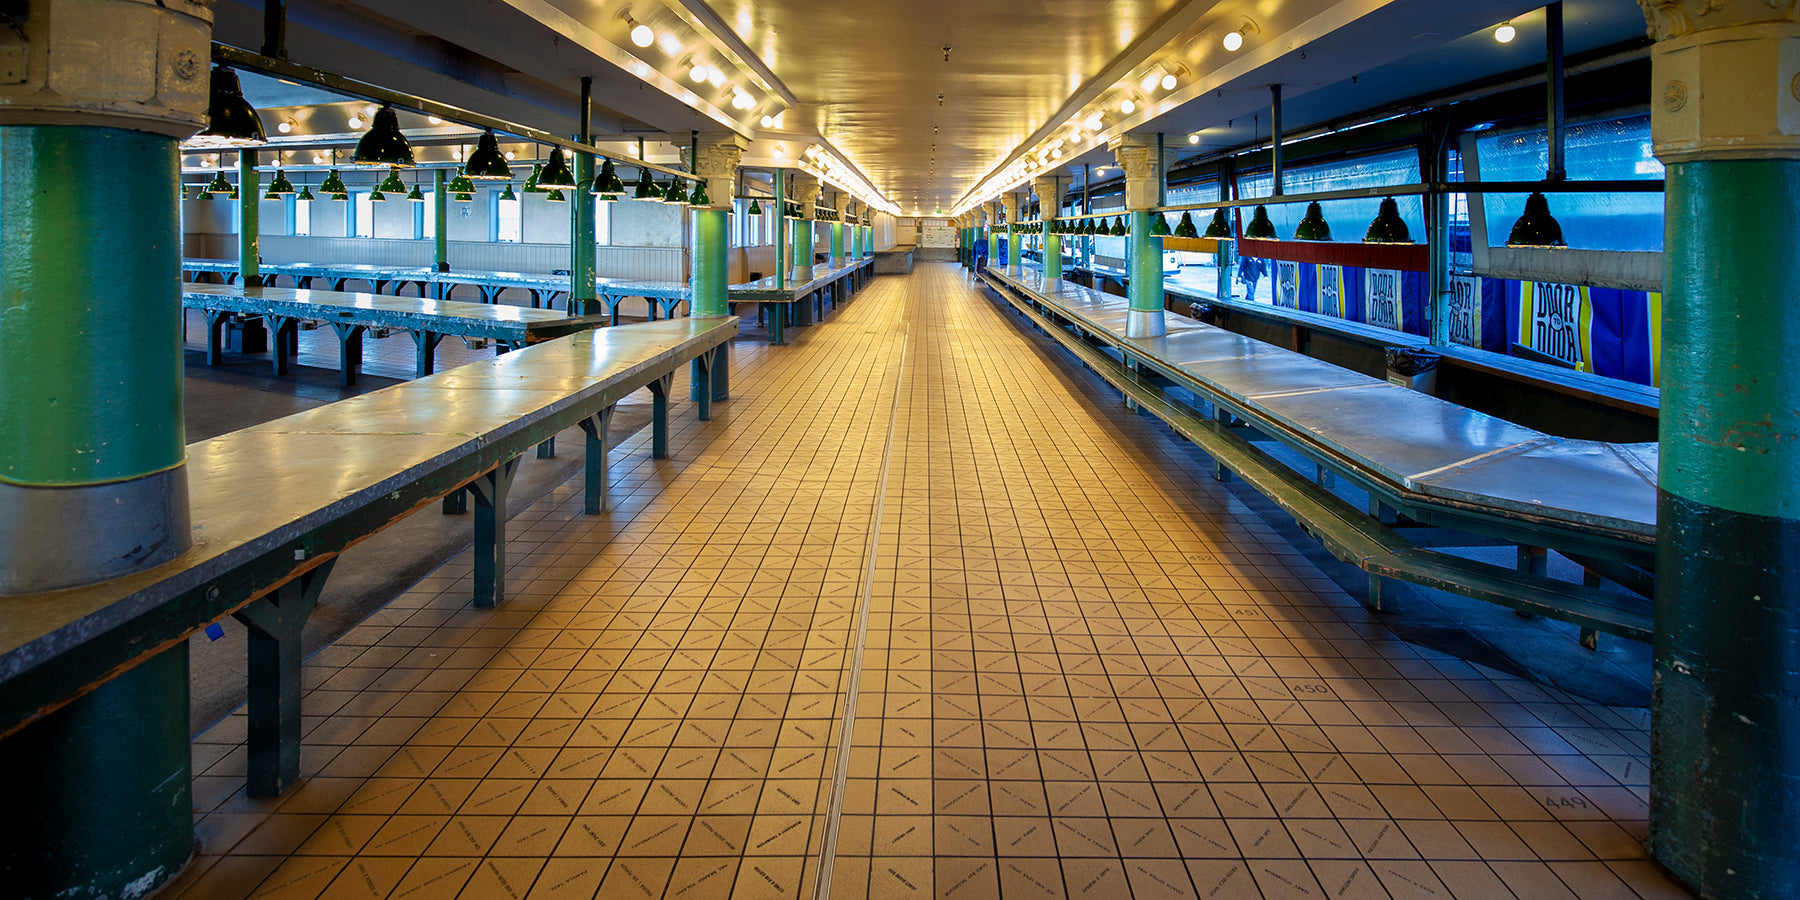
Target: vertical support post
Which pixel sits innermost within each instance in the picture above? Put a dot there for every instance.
(490, 492)
(440, 241)
(1140, 159)
(1276, 155)
(806, 190)
(1434, 162)
(275, 29)
(1553, 90)
(659, 416)
(1725, 710)
(583, 256)
(249, 208)
(1011, 202)
(275, 623)
(597, 469)
(780, 213)
(1049, 191)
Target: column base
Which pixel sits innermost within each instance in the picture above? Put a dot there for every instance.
(53, 538)
(1145, 323)
(801, 274)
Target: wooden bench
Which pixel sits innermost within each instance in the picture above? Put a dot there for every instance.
(350, 314)
(272, 507)
(1436, 474)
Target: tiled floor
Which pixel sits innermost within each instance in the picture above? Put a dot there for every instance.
(1071, 666)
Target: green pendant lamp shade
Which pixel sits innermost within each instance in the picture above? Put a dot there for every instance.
(230, 120)
(1119, 229)
(487, 163)
(1388, 227)
(415, 195)
(531, 181)
(1314, 226)
(755, 207)
(509, 195)
(646, 189)
(700, 197)
(333, 184)
(1220, 227)
(556, 196)
(462, 198)
(383, 144)
(1536, 228)
(1260, 227)
(233, 195)
(1185, 228)
(460, 185)
(305, 194)
(218, 185)
(677, 193)
(280, 187)
(556, 174)
(392, 183)
(377, 197)
(1159, 226)
(607, 185)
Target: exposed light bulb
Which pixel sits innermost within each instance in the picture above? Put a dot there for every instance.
(642, 36)
(318, 160)
(780, 150)
(509, 156)
(434, 120)
(1168, 82)
(768, 121)
(285, 127)
(1127, 107)
(697, 74)
(1506, 32)
(715, 77)
(669, 43)
(355, 122)
(1093, 122)
(1149, 82)
(1194, 138)
(1234, 41)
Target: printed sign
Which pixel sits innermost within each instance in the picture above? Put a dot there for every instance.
(1464, 325)
(1557, 320)
(1381, 299)
(1287, 284)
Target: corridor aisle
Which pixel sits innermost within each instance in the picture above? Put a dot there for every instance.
(1072, 664)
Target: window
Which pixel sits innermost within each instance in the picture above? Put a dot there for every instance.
(1348, 218)
(603, 223)
(300, 211)
(507, 227)
(362, 216)
(1608, 149)
(425, 218)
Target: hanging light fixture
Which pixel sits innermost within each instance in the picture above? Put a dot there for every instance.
(646, 187)
(556, 174)
(755, 207)
(306, 194)
(1220, 227)
(508, 194)
(487, 163)
(1260, 227)
(280, 186)
(1159, 226)
(531, 181)
(555, 196)
(1505, 32)
(383, 144)
(1313, 227)
(230, 119)
(1388, 227)
(677, 193)
(415, 195)
(462, 198)
(218, 185)
(1536, 228)
(392, 183)
(1185, 228)
(460, 185)
(700, 197)
(1119, 229)
(607, 185)
(376, 196)
(333, 184)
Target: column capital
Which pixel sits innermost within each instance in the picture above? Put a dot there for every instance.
(1137, 158)
(1011, 204)
(161, 86)
(717, 162)
(842, 205)
(1725, 79)
(1048, 189)
(806, 193)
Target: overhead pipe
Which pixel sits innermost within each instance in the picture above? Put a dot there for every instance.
(1553, 90)
(1275, 135)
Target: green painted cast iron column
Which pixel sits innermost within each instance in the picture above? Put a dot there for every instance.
(583, 254)
(716, 159)
(993, 219)
(93, 477)
(1011, 202)
(711, 251)
(1725, 702)
(778, 209)
(803, 249)
(1049, 191)
(837, 244)
(249, 220)
(1146, 289)
(440, 212)
(1140, 158)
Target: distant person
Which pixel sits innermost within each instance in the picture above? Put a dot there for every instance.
(1250, 270)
